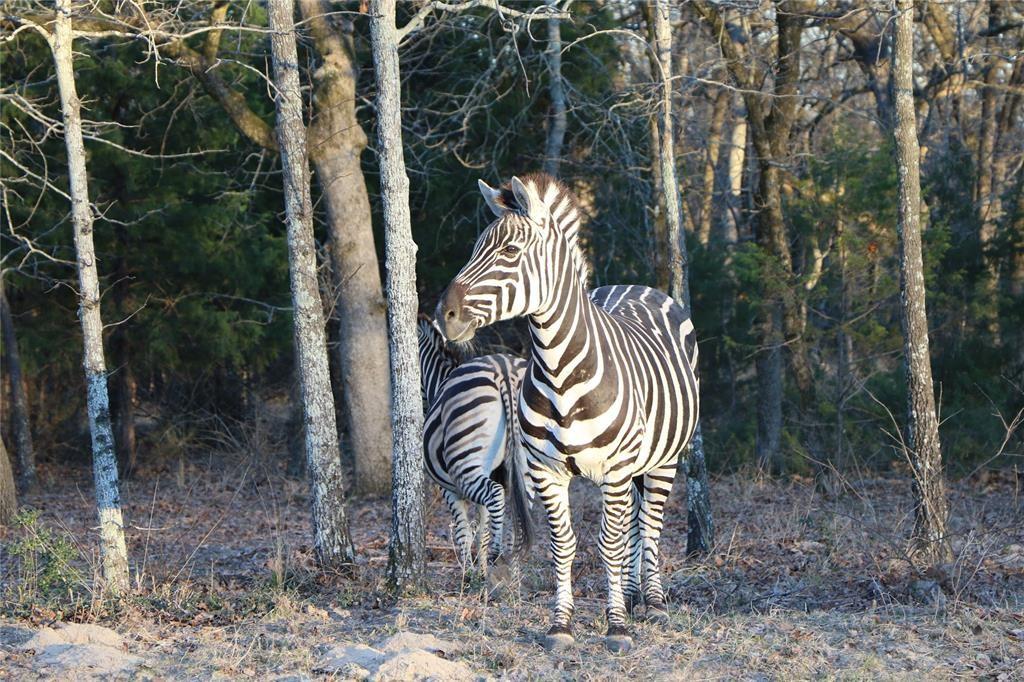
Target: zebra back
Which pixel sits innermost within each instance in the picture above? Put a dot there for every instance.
(437, 359)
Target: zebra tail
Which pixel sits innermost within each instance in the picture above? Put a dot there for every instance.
(515, 477)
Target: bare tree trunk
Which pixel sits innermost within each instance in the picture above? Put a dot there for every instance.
(20, 424)
(768, 444)
(987, 192)
(407, 551)
(929, 536)
(8, 493)
(737, 167)
(558, 121)
(336, 143)
(678, 261)
(700, 532)
(333, 545)
(113, 551)
(707, 199)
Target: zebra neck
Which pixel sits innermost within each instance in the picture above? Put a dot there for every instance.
(564, 331)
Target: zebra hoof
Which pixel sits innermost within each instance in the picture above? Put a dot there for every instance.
(618, 640)
(657, 614)
(558, 638)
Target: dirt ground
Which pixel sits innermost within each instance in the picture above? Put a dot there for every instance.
(801, 586)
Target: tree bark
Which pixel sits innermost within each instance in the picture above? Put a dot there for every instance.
(737, 167)
(336, 141)
(113, 552)
(929, 537)
(700, 528)
(768, 443)
(8, 493)
(721, 105)
(407, 551)
(558, 121)
(323, 461)
(20, 425)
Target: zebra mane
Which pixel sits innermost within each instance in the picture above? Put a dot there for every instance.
(565, 210)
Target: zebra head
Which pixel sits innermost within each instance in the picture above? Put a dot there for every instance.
(520, 262)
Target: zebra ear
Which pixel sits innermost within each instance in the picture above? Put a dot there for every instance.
(493, 198)
(528, 200)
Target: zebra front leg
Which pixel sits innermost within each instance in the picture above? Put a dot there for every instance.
(657, 486)
(553, 491)
(463, 535)
(632, 567)
(616, 498)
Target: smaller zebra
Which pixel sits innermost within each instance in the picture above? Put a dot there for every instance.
(471, 426)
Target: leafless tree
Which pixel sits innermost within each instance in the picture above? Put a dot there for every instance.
(108, 499)
(701, 524)
(407, 552)
(929, 487)
(333, 545)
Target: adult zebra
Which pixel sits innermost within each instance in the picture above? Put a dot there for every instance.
(610, 393)
(470, 431)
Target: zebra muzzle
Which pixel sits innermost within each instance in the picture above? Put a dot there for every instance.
(450, 314)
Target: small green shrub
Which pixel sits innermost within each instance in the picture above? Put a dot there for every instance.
(43, 563)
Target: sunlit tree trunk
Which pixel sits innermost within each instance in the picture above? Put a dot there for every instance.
(923, 429)
(736, 169)
(721, 105)
(701, 524)
(558, 120)
(323, 462)
(20, 424)
(8, 493)
(113, 551)
(407, 552)
(336, 142)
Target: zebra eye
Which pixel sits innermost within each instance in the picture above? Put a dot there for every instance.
(510, 250)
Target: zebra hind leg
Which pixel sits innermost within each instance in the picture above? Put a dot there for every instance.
(485, 492)
(462, 536)
(617, 498)
(554, 495)
(657, 486)
(632, 567)
(483, 538)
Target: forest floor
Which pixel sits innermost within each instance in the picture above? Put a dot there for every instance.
(801, 586)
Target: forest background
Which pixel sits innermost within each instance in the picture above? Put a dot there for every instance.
(191, 242)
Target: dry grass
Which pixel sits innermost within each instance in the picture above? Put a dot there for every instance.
(801, 586)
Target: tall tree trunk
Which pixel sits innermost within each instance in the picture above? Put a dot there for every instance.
(20, 424)
(707, 198)
(336, 143)
(737, 168)
(8, 493)
(700, 534)
(929, 536)
(323, 461)
(113, 551)
(768, 443)
(407, 551)
(558, 121)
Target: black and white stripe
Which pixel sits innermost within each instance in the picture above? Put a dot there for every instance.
(610, 393)
(470, 430)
